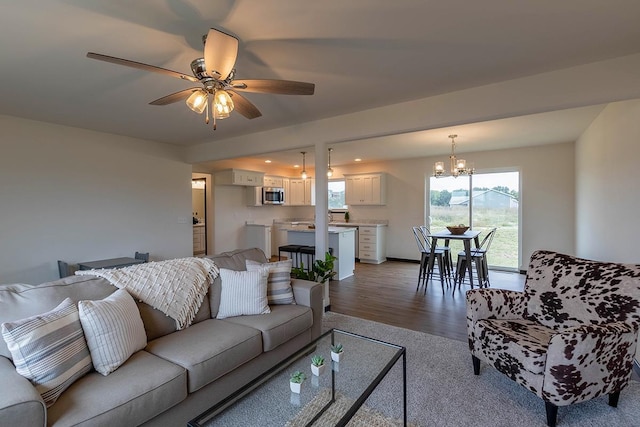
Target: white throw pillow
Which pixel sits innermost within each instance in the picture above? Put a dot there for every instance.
(243, 293)
(279, 281)
(113, 328)
(49, 349)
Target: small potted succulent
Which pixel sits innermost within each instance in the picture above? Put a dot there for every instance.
(346, 216)
(296, 380)
(317, 365)
(336, 352)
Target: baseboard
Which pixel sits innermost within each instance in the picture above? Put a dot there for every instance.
(413, 261)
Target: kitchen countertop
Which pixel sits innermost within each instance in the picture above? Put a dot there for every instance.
(334, 230)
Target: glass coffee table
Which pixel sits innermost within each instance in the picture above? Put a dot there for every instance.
(332, 398)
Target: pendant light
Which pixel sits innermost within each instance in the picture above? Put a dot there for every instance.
(329, 170)
(303, 174)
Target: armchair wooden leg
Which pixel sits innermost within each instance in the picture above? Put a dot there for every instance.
(613, 399)
(476, 365)
(552, 414)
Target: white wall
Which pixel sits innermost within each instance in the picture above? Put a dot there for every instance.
(78, 195)
(608, 195)
(547, 200)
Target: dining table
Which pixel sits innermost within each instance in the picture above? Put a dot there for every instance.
(466, 238)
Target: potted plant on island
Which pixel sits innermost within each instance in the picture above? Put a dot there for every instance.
(296, 380)
(336, 352)
(317, 365)
(346, 216)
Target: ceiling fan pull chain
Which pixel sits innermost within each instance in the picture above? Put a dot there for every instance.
(206, 107)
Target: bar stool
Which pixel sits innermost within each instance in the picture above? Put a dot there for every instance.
(294, 253)
(310, 252)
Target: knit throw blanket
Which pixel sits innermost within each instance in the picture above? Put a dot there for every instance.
(176, 287)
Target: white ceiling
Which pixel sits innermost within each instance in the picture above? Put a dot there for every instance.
(360, 54)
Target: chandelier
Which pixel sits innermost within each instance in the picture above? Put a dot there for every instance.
(458, 166)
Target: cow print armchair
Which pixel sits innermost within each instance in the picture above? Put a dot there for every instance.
(569, 337)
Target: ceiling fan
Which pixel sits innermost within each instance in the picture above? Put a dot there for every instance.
(216, 73)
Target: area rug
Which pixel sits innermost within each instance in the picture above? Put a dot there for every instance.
(442, 390)
(365, 417)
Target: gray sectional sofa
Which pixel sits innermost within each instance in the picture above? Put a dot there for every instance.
(178, 375)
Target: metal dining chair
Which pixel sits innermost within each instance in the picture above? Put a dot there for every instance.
(446, 251)
(479, 258)
(425, 273)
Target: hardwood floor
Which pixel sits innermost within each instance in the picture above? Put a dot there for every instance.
(386, 293)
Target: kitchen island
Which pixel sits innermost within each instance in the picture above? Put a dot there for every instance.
(341, 240)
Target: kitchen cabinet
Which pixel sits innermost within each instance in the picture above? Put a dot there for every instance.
(302, 192)
(273, 181)
(199, 239)
(287, 191)
(259, 236)
(372, 244)
(366, 189)
(240, 177)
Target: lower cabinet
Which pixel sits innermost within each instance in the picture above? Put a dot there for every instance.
(199, 240)
(372, 244)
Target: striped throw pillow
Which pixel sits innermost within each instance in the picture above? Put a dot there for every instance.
(243, 293)
(49, 349)
(113, 328)
(279, 281)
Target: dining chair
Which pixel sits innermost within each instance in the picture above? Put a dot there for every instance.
(425, 273)
(479, 258)
(446, 251)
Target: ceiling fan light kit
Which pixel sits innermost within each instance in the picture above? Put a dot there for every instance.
(216, 73)
(457, 166)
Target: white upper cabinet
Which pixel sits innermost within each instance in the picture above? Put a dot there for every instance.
(302, 192)
(366, 189)
(273, 181)
(240, 177)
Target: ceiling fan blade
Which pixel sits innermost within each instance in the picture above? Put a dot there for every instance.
(139, 66)
(283, 87)
(220, 53)
(174, 97)
(243, 106)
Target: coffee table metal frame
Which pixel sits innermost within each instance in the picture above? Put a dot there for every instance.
(401, 352)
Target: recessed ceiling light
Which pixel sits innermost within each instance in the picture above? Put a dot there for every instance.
(357, 160)
(267, 161)
(296, 166)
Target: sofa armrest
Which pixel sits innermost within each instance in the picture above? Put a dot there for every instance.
(20, 403)
(494, 304)
(587, 361)
(310, 294)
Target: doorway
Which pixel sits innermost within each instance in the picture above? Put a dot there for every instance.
(199, 213)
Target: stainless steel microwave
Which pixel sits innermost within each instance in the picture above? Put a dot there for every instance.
(272, 195)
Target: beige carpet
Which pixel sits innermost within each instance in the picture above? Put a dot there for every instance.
(365, 417)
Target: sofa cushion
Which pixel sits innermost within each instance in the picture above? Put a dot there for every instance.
(234, 260)
(243, 293)
(143, 387)
(283, 323)
(20, 300)
(113, 329)
(208, 350)
(49, 349)
(279, 281)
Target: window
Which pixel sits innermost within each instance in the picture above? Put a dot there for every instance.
(494, 202)
(336, 195)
